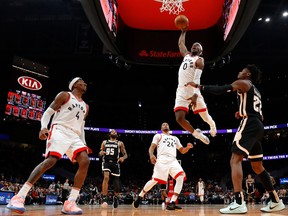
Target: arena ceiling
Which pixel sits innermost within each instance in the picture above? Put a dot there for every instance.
(144, 32)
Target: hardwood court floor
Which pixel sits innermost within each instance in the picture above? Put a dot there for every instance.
(143, 210)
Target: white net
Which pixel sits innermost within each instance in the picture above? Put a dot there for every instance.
(172, 6)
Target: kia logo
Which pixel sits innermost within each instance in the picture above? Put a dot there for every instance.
(29, 83)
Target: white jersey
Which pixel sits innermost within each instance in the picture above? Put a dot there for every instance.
(201, 188)
(166, 163)
(187, 71)
(71, 114)
(187, 74)
(167, 146)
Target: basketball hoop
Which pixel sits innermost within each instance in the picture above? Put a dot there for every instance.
(172, 6)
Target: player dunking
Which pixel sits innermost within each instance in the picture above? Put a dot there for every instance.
(188, 97)
(66, 136)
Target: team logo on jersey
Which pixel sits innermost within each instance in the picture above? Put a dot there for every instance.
(29, 83)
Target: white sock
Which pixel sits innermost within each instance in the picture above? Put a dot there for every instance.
(74, 194)
(25, 189)
(173, 198)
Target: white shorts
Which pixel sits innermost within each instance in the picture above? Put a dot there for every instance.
(164, 168)
(182, 101)
(63, 140)
(201, 192)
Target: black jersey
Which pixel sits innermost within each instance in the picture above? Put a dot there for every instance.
(247, 140)
(250, 103)
(111, 149)
(250, 185)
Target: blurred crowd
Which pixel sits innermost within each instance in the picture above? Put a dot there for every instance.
(91, 192)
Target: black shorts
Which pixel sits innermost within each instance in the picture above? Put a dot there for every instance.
(248, 139)
(112, 167)
(163, 186)
(250, 191)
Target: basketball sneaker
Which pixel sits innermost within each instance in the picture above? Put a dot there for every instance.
(115, 202)
(173, 206)
(16, 204)
(71, 208)
(234, 208)
(104, 202)
(273, 207)
(163, 206)
(136, 202)
(199, 135)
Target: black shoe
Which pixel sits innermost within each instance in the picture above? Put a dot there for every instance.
(115, 202)
(172, 206)
(136, 202)
(177, 207)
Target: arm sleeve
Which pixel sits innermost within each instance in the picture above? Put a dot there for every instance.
(197, 76)
(198, 73)
(46, 117)
(217, 90)
(82, 135)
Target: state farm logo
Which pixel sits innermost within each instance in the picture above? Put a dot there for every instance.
(159, 54)
(29, 83)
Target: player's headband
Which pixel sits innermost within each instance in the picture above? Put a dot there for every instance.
(201, 48)
(73, 81)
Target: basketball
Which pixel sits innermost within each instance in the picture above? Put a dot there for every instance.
(181, 22)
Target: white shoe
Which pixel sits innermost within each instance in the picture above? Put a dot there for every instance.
(104, 205)
(213, 131)
(16, 204)
(71, 208)
(234, 208)
(199, 135)
(163, 206)
(273, 207)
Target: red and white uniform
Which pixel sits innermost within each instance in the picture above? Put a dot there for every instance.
(201, 190)
(167, 162)
(66, 127)
(187, 74)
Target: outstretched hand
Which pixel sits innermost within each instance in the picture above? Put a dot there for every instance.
(237, 115)
(190, 145)
(185, 28)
